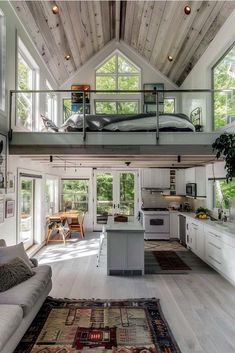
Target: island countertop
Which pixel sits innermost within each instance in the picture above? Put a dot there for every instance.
(121, 226)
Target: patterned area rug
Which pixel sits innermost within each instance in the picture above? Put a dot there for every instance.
(122, 326)
(169, 260)
(174, 262)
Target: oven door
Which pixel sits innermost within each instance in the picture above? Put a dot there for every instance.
(157, 223)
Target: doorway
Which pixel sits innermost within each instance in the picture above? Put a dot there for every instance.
(27, 211)
(114, 193)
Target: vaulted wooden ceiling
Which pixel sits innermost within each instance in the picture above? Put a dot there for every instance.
(155, 29)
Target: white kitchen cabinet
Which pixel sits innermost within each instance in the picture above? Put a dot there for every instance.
(174, 228)
(155, 178)
(195, 237)
(190, 175)
(213, 248)
(197, 175)
(180, 182)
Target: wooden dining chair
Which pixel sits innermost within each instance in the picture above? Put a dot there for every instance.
(76, 224)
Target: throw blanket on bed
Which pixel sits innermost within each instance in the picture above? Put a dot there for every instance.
(138, 122)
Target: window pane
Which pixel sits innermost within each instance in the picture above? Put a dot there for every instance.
(169, 105)
(104, 196)
(2, 59)
(109, 66)
(128, 82)
(127, 195)
(125, 66)
(105, 82)
(224, 193)
(24, 101)
(127, 107)
(106, 108)
(26, 209)
(224, 78)
(74, 195)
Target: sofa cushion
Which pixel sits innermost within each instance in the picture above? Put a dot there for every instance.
(2, 243)
(10, 318)
(10, 252)
(26, 293)
(13, 273)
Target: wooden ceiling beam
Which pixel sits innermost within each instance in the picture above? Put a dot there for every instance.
(98, 23)
(130, 7)
(117, 19)
(144, 25)
(139, 7)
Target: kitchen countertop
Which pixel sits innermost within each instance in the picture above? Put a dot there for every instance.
(224, 227)
(121, 226)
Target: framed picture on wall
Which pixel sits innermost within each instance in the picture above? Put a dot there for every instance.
(10, 208)
(2, 209)
(150, 97)
(10, 182)
(3, 163)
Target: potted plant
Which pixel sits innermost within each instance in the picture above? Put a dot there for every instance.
(225, 147)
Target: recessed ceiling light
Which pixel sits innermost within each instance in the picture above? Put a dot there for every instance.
(55, 9)
(170, 58)
(67, 57)
(187, 10)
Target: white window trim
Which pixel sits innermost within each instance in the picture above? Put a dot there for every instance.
(2, 62)
(29, 60)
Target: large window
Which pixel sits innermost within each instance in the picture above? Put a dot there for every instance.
(74, 194)
(27, 75)
(50, 195)
(224, 193)
(2, 59)
(223, 75)
(117, 73)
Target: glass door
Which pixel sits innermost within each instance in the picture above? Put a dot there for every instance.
(114, 193)
(27, 211)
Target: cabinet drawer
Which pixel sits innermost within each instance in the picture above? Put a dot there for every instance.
(214, 251)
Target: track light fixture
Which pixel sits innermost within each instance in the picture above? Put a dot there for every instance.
(187, 10)
(55, 9)
(170, 58)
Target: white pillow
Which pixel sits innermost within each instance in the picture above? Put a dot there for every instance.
(8, 253)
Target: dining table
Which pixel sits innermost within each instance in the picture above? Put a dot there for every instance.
(56, 224)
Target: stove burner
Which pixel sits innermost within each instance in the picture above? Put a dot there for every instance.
(154, 209)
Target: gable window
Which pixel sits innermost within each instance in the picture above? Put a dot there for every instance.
(117, 73)
(27, 77)
(223, 78)
(2, 59)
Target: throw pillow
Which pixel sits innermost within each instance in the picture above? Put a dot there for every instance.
(2, 242)
(13, 273)
(10, 252)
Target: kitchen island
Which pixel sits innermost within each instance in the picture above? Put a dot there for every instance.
(125, 248)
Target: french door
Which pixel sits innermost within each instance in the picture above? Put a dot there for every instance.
(114, 192)
(27, 211)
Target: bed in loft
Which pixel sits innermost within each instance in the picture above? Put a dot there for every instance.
(128, 123)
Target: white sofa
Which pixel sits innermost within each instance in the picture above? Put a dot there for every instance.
(20, 304)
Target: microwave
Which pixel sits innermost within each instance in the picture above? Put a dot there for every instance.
(191, 190)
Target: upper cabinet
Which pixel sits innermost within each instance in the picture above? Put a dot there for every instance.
(180, 182)
(155, 178)
(197, 175)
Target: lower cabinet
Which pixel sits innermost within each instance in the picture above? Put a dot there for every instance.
(195, 237)
(174, 230)
(213, 249)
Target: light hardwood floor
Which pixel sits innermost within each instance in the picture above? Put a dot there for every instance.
(199, 307)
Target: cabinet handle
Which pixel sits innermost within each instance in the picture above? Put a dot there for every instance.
(215, 235)
(215, 246)
(212, 258)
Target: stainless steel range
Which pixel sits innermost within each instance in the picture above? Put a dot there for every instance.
(156, 223)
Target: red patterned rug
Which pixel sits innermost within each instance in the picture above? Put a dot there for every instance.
(122, 326)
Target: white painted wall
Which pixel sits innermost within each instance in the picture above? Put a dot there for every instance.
(200, 76)
(14, 27)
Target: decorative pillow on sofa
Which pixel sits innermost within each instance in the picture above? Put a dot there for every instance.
(13, 273)
(10, 252)
(2, 243)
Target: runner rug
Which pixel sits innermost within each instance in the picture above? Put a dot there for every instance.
(96, 326)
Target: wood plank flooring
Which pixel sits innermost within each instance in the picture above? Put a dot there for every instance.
(199, 307)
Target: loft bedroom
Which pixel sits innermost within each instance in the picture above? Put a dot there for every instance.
(112, 59)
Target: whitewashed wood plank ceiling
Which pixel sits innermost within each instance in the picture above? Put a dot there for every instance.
(155, 29)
